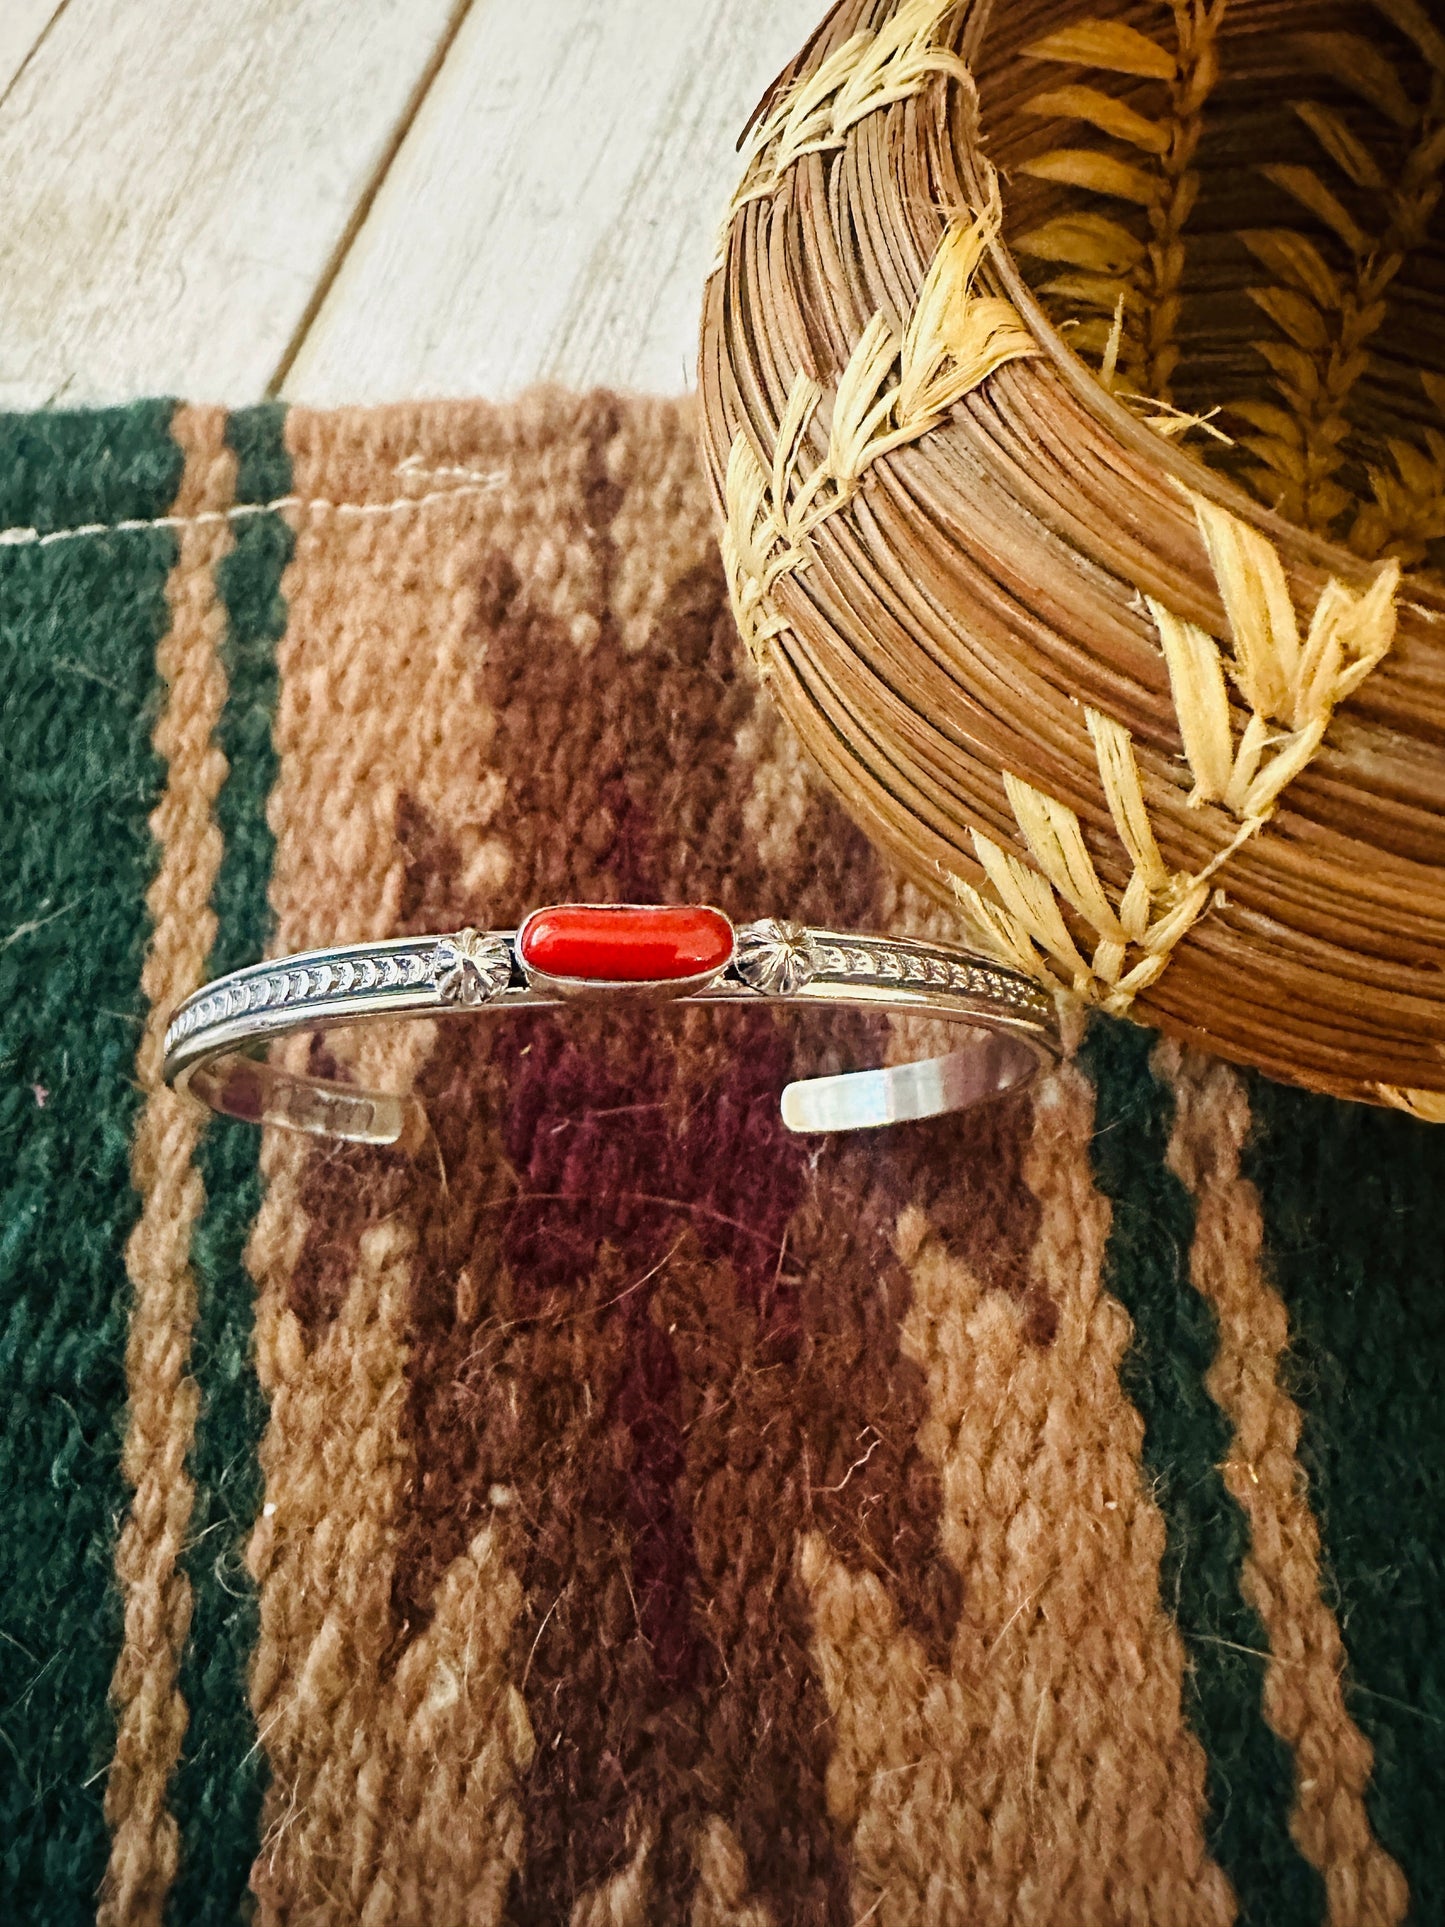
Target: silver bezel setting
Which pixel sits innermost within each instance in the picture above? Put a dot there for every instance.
(646, 990)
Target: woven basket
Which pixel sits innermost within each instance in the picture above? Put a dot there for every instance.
(1073, 388)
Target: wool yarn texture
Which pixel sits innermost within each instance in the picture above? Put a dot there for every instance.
(620, 1511)
(1072, 388)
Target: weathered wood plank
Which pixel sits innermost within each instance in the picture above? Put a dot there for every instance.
(553, 210)
(175, 177)
(21, 24)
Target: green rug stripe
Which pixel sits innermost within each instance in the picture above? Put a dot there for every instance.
(1186, 1439)
(222, 1773)
(79, 624)
(1354, 1211)
(67, 471)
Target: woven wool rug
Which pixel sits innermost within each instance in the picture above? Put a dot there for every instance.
(626, 1513)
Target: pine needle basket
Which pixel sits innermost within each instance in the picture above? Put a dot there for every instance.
(1073, 398)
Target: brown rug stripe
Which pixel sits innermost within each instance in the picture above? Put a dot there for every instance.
(613, 1339)
(380, 723)
(151, 1716)
(622, 1280)
(384, 820)
(1303, 1697)
(1043, 1771)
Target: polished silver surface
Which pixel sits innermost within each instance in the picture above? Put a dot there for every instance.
(211, 1041)
(987, 1065)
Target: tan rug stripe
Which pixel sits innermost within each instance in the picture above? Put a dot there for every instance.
(626, 1900)
(391, 1791)
(1303, 1697)
(722, 1899)
(163, 1399)
(1049, 1775)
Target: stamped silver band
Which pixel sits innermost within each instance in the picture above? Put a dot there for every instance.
(1011, 1032)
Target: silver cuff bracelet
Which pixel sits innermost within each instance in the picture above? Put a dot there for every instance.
(606, 953)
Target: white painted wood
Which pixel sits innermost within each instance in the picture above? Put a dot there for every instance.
(553, 210)
(175, 176)
(21, 24)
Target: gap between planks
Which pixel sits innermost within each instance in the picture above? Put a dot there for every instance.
(552, 213)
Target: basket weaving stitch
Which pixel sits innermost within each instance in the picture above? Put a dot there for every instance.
(1140, 659)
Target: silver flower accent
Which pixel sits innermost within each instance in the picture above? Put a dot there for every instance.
(468, 968)
(776, 957)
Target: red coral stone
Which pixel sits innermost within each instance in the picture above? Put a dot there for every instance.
(625, 943)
